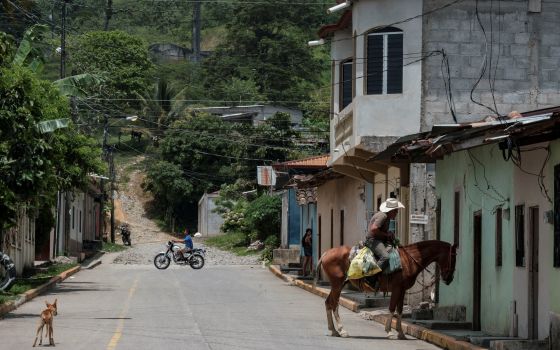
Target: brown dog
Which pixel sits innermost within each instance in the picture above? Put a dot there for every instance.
(46, 319)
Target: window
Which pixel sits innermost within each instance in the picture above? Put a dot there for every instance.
(384, 61)
(72, 217)
(499, 237)
(346, 83)
(520, 235)
(456, 217)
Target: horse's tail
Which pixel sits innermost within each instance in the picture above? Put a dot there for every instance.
(317, 269)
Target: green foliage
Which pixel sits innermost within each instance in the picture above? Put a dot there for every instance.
(121, 58)
(34, 165)
(270, 243)
(202, 152)
(265, 43)
(263, 216)
(22, 285)
(235, 242)
(113, 247)
(168, 185)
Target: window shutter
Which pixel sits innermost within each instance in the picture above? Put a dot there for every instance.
(346, 81)
(394, 63)
(374, 65)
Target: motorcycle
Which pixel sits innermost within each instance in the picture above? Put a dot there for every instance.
(194, 258)
(125, 234)
(7, 272)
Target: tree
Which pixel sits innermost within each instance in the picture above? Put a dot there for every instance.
(122, 59)
(265, 43)
(36, 161)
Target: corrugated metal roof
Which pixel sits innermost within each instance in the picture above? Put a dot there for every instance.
(523, 128)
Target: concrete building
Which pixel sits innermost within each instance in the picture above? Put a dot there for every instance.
(299, 206)
(254, 114)
(209, 222)
(401, 67)
(498, 185)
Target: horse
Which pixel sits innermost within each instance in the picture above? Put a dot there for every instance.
(414, 258)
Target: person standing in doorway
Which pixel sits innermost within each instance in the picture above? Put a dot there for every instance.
(306, 243)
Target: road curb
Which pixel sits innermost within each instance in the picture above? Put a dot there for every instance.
(429, 335)
(322, 292)
(425, 334)
(32, 293)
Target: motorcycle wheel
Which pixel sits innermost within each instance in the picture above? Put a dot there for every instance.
(196, 261)
(161, 261)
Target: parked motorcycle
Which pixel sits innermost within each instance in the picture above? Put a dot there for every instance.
(194, 258)
(125, 234)
(7, 272)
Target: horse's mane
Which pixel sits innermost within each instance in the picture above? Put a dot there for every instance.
(423, 244)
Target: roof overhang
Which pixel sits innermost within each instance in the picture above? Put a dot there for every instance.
(427, 147)
(343, 22)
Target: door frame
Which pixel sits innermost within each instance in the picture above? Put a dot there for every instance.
(477, 270)
(533, 274)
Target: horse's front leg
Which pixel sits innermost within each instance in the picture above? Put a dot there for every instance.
(399, 316)
(392, 307)
(339, 328)
(388, 324)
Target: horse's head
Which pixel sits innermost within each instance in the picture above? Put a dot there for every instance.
(448, 264)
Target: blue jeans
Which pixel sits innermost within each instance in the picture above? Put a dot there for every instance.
(379, 250)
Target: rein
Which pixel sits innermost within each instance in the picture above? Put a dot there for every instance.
(426, 267)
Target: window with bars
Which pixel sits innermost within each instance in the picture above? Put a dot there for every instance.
(384, 68)
(346, 83)
(520, 235)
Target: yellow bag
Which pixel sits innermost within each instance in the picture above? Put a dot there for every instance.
(363, 265)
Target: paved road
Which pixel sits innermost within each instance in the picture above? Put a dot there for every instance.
(116, 306)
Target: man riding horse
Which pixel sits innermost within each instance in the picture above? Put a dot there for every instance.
(379, 237)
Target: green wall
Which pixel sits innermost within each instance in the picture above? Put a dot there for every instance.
(481, 188)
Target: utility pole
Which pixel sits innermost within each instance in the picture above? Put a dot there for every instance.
(102, 182)
(112, 179)
(196, 31)
(63, 41)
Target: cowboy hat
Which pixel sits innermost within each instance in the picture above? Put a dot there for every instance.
(390, 204)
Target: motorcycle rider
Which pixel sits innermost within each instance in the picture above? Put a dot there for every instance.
(187, 241)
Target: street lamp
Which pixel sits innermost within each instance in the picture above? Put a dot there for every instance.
(340, 6)
(316, 42)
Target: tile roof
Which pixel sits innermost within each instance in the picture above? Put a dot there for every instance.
(316, 162)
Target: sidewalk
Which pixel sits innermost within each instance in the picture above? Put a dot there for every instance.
(351, 302)
(32, 293)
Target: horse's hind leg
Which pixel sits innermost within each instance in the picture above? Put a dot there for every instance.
(330, 322)
(339, 328)
(399, 327)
